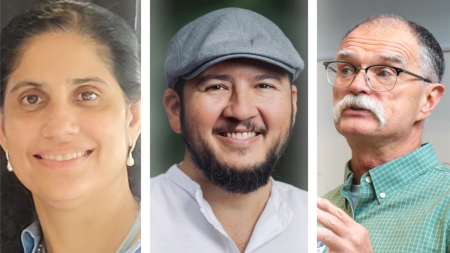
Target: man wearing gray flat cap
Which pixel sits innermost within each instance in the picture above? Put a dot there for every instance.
(230, 94)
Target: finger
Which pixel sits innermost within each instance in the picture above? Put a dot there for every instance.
(332, 223)
(326, 206)
(327, 237)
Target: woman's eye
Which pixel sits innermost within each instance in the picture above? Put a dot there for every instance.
(32, 100)
(87, 96)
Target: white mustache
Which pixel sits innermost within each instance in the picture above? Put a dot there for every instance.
(361, 101)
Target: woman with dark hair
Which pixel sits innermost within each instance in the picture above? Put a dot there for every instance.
(70, 120)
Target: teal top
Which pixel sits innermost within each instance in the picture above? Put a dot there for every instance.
(404, 204)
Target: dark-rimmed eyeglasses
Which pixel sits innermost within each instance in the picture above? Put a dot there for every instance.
(379, 77)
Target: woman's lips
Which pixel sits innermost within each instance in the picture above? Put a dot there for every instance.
(64, 156)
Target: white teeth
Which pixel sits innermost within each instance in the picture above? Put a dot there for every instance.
(241, 136)
(64, 157)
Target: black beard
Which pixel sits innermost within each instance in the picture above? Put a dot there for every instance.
(233, 179)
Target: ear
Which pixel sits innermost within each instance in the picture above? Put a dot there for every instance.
(134, 122)
(3, 141)
(294, 102)
(433, 93)
(173, 108)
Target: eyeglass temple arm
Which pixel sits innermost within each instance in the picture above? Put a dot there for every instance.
(409, 73)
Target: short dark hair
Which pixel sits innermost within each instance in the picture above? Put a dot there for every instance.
(431, 58)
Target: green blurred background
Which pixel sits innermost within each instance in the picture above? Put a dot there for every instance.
(167, 17)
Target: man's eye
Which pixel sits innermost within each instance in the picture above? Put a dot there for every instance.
(347, 72)
(264, 86)
(87, 96)
(385, 73)
(31, 100)
(214, 87)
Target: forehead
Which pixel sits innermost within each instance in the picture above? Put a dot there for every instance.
(59, 55)
(243, 67)
(369, 42)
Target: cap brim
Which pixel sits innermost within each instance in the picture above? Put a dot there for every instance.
(197, 71)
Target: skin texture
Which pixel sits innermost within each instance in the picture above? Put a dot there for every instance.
(406, 106)
(239, 97)
(51, 108)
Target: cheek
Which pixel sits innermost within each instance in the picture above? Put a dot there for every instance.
(203, 112)
(338, 94)
(276, 112)
(21, 133)
(108, 129)
(402, 107)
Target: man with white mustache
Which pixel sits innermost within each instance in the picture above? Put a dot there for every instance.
(396, 195)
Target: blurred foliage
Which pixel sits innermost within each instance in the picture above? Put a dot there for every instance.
(167, 17)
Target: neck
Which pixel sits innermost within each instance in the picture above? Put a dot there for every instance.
(371, 152)
(237, 213)
(99, 222)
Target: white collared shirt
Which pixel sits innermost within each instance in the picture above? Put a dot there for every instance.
(183, 221)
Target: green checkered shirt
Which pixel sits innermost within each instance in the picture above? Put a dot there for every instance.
(404, 204)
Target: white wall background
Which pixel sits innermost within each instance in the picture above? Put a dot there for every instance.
(334, 19)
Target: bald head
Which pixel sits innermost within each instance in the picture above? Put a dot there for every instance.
(431, 58)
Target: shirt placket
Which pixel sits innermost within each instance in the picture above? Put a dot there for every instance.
(205, 208)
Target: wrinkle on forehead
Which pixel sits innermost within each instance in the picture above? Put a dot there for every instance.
(392, 44)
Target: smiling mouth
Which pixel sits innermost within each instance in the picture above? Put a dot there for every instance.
(63, 157)
(239, 135)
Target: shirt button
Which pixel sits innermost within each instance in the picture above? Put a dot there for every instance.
(368, 179)
(382, 195)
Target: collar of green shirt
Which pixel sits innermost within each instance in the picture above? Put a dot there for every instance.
(392, 176)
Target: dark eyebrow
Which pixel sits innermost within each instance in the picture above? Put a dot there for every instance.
(76, 81)
(264, 77)
(203, 79)
(23, 84)
(79, 81)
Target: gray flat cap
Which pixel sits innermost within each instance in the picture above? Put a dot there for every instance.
(225, 34)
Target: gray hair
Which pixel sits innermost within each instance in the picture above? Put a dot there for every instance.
(431, 58)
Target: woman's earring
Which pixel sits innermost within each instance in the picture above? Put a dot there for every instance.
(8, 165)
(130, 159)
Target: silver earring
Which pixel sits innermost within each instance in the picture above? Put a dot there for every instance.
(130, 159)
(8, 165)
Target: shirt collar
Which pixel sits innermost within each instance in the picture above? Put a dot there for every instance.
(394, 175)
(30, 237)
(275, 217)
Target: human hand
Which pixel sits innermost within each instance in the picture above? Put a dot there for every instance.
(340, 232)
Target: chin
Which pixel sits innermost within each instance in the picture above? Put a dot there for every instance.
(358, 128)
(62, 192)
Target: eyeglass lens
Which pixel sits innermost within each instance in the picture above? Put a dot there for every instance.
(380, 78)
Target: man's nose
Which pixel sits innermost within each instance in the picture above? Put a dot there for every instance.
(61, 122)
(359, 84)
(241, 105)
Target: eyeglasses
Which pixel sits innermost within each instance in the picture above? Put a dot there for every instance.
(379, 77)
